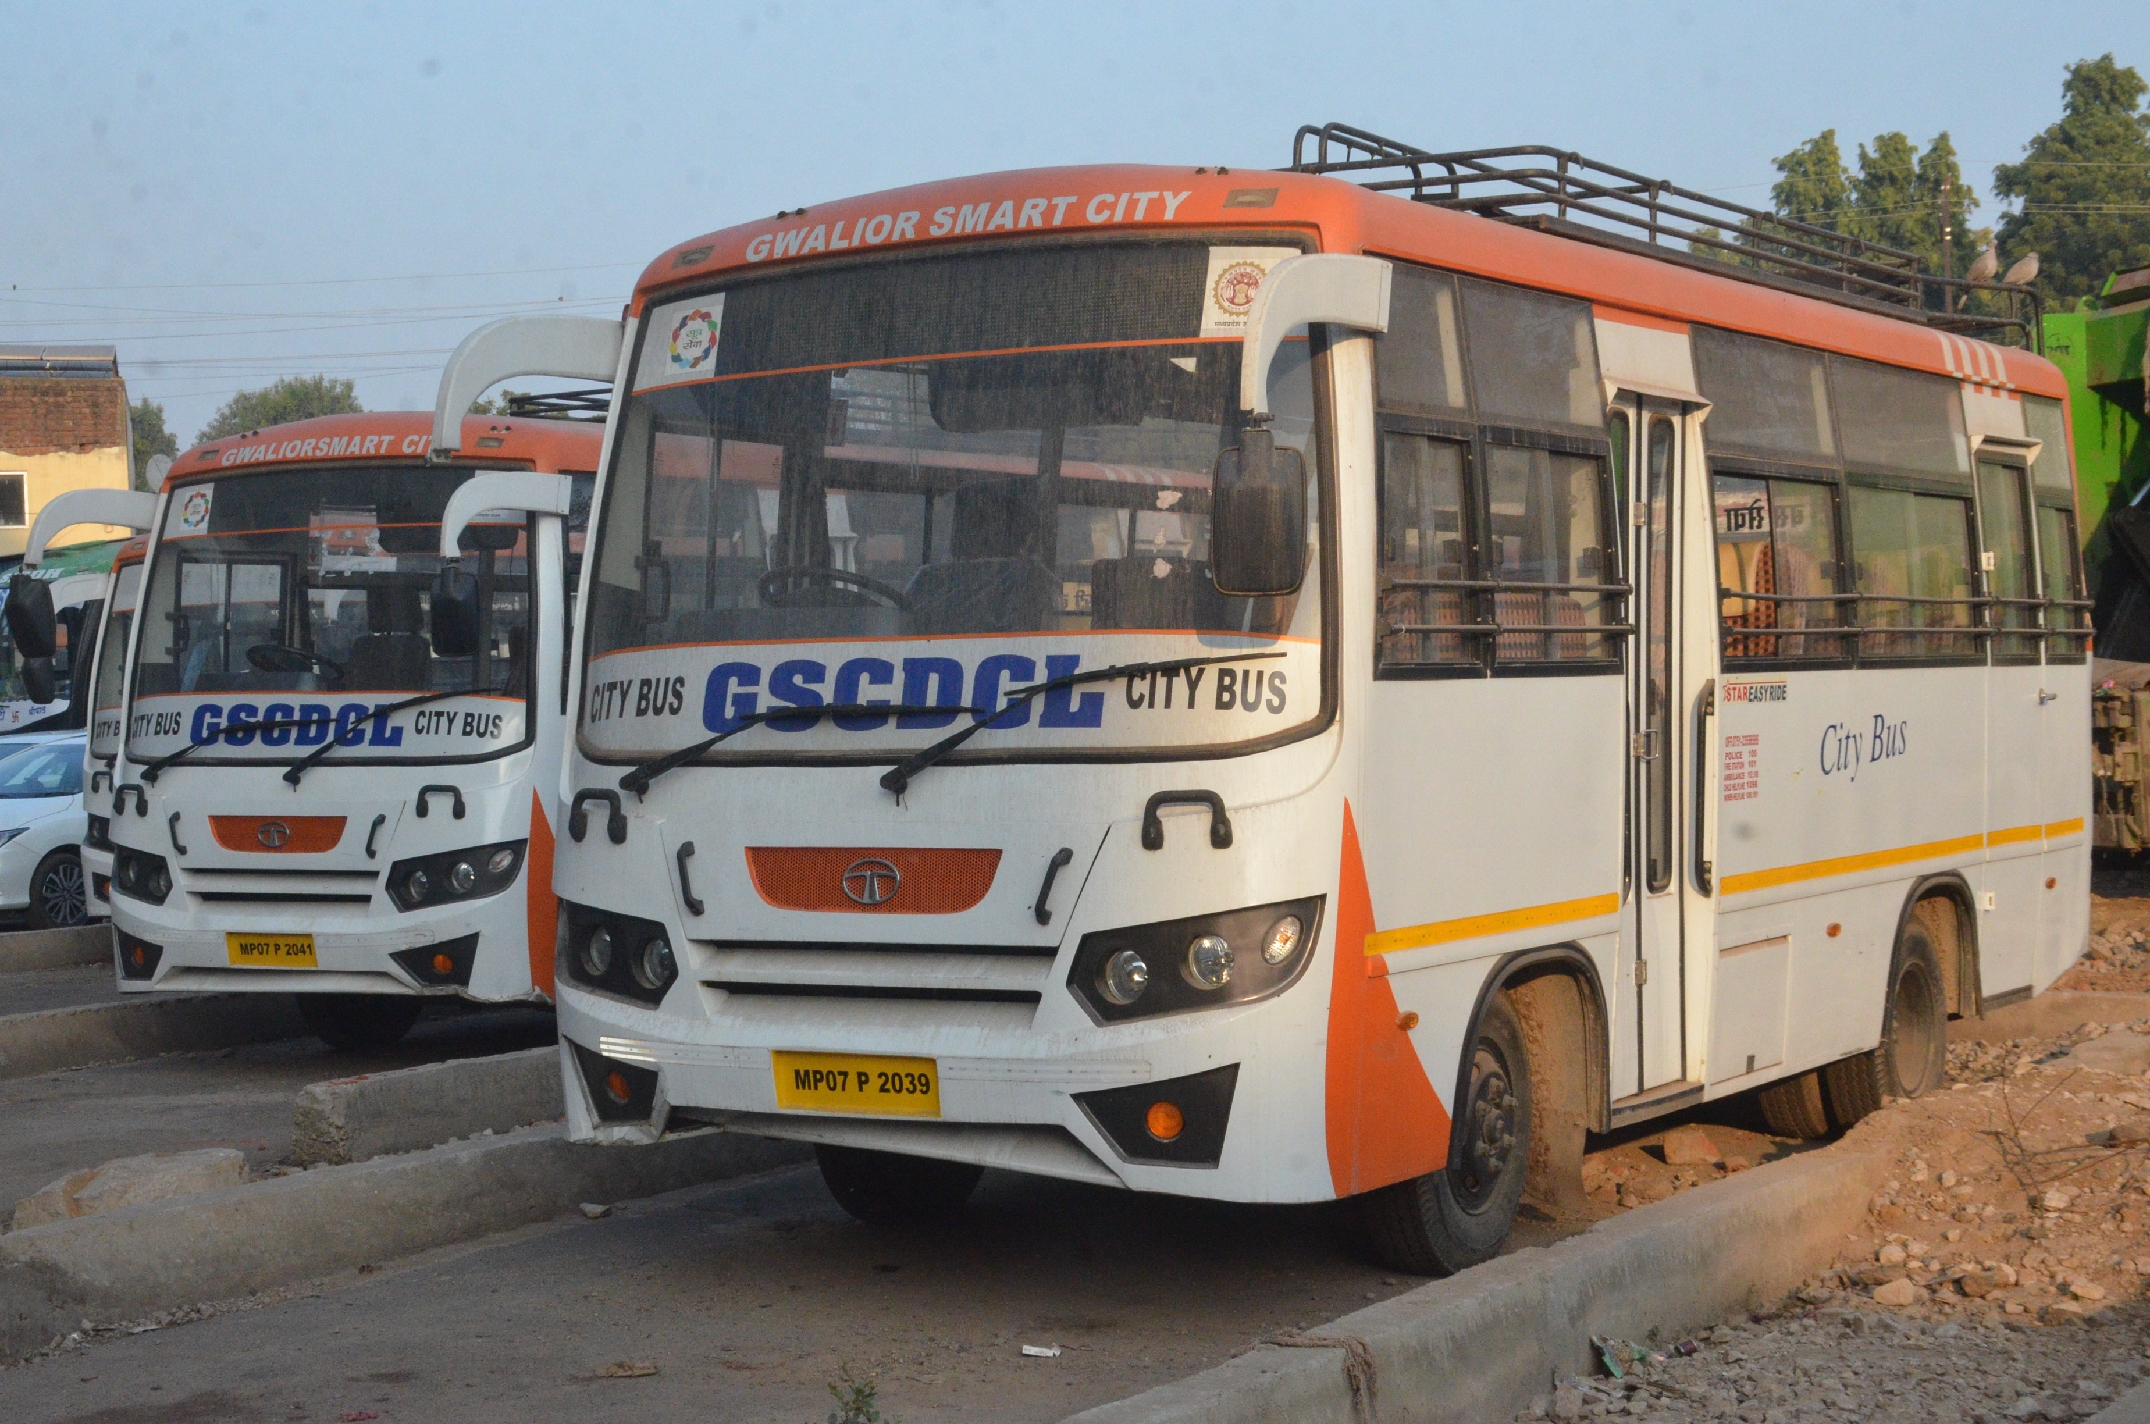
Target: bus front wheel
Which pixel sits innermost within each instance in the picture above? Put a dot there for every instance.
(1913, 1055)
(353, 1022)
(891, 1189)
(1450, 1220)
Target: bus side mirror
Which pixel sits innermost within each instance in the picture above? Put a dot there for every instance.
(1257, 518)
(455, 613)
(38, 679)
(30, 619)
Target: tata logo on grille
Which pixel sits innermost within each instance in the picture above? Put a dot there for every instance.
(871, 882)
(273, 834)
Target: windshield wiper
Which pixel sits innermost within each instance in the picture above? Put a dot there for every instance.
(898, 777)
(638, 779)
(151, 772)
(312, 759)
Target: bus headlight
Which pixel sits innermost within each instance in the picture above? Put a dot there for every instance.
(455, 875)
(616, 954)
(1202, 962)
(142, 875)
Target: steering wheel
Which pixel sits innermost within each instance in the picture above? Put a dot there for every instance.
(282, 657)
(779, 588)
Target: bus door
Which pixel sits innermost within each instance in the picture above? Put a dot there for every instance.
(2015, 717)
(1661, 753)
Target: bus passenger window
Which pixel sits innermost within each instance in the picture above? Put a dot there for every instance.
(1418, 361)
(1776, 567)
(1534, 356)
(2061, 583)
(1912, 557)
(1545, 525)
(1423, 542)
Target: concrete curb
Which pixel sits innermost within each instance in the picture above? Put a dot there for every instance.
(408, 1109)
(55, 949)
(1481, 1345)
(122, 1265)
(2131, 1408)
(52, 1039)
(2055, 1011)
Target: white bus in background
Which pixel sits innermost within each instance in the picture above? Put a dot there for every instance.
(1277, 770)
(340, 746)
(98, 634)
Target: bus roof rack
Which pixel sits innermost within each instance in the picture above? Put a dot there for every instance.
(589, 404)
(1561, 192)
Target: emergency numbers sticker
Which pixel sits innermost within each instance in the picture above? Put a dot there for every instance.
(190, 511)
(1742, 767)
(682, 343)
(1235, 277)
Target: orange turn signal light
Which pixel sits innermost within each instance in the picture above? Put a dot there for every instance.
(443, 965)
(1835, 930)
(1165, 1121)
(616, 1087)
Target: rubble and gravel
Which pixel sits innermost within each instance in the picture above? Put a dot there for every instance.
(2000, 1273)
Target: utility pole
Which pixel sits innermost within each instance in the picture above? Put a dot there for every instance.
(1948, 241)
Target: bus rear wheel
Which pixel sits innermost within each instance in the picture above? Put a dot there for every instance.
(1793, 1107)
(353, 1022)
(891, 1189)
(1913, 1055)
(1450, 1220)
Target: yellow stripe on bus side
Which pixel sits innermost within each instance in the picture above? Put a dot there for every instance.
(1500, 922)
(1875, 860)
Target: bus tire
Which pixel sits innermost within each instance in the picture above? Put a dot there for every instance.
(891, 1189)
(1447, 1221)
(355, 1022)
(1793, 1107)
(1913, 1055)
(59, 896)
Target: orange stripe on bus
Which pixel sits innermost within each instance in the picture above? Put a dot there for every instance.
(1621, 316)
(2015, 835)
(1499, 922)
(2064, 828)
(1869, 860)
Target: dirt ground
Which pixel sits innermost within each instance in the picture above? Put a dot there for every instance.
(2003, 1271)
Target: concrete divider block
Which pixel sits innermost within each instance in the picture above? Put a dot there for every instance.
(1482, 1344)
(2054, 1011)
(373, 1114)
(141, 1027)
(133, 1262)
(24, 950)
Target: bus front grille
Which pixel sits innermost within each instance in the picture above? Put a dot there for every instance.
(915, 973)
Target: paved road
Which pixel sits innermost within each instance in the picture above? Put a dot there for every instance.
(36, 990)
(749, 1297)
(238, 1097)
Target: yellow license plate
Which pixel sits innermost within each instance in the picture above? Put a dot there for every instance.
(271, 951)
(858, 1083)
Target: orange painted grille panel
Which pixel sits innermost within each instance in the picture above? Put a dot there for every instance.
(934, 882)
(302, 835)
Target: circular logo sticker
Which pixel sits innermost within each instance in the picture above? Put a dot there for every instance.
(194, 510)
(1236, 286)
(694, 341)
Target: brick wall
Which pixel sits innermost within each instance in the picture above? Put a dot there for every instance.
(43, 415)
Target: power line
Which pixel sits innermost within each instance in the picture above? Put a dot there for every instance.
(336, 281)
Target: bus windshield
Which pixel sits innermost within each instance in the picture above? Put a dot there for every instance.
(304, 596)
(936, 481)
(105, 710)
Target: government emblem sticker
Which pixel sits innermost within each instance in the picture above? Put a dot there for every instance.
(1234, 280)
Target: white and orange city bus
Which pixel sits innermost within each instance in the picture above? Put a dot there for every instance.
(1242, 685)
(340, 745)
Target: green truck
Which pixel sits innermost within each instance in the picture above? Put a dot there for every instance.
(2102, 354)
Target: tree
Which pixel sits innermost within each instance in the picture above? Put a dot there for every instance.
(1815, 188)
(146, 419)
(291, 398)
(2084, 185)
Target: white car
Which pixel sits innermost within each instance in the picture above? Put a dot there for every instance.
(42, 822)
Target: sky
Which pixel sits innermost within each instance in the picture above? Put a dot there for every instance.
(229, 194)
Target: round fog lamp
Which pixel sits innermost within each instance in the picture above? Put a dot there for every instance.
(417, 884)
(1165, 1121)
(597, 953)
(653, 965)
(1283, 939)
(462, 877)
(502, 862)
(1209, 962)
(1124, 978)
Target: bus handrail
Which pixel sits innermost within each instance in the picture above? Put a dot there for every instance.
(1617, 590)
